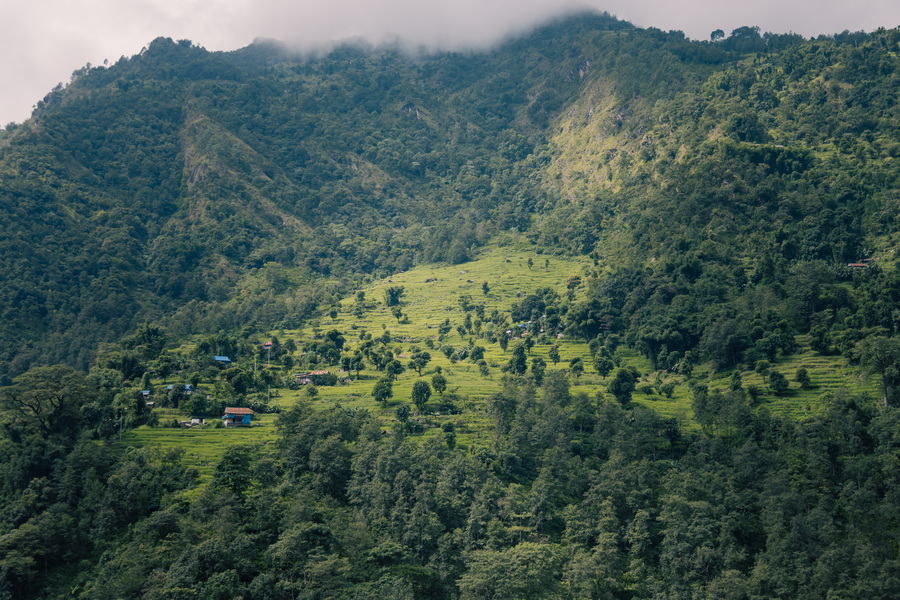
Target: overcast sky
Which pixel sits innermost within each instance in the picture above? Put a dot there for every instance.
(43, 41)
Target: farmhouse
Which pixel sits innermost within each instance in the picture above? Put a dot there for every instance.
(316, 378)
(237, 417)
(188, 389)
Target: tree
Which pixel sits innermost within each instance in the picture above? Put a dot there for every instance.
(234, 471)
(553, 354)
(717, 35)
(485, 288)
(529, 343)
(329, 459)
(418, 361)
(392, 295)
(881, 355)
(421, 392)
(239, 379)
(445, 327)
(527, 570)
(402, 414)
(49, 399)
(518, 364)
(357, 363)
(146, 384)
(148, 341)
(538, 367)
(778, 383)
(393, 369)
(622, 385)
(576, 366)
(803, 379)
(439, 383)
(603, 365)
(383, 391)
(503, 338)
(397, 313)
(335, 337)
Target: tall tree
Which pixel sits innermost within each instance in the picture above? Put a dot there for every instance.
(383, 391)
(421, 392)
(49, 399)
(881, 355)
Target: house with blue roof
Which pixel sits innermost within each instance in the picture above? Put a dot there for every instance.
(237, 417)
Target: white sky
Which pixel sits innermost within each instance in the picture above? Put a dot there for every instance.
(43, 41)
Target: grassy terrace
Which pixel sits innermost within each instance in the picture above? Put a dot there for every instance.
(203, 447)
(431, 295)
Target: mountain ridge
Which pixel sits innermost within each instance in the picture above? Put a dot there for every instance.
(186, 165)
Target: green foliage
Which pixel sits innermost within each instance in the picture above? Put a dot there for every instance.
(383, 391)
(802, 377)
(622, 385)
(233, 473)
(48, 401)
(439, 383)
(392, 296)
(714, 191)
(881, 355)
(418, 360)
(421, 392)
(518, 364)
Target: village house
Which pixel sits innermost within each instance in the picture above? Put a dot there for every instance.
(237, 417)
(316, 378)
(188, 389)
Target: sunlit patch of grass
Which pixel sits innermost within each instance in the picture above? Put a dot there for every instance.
(204, 446)
(433, 294)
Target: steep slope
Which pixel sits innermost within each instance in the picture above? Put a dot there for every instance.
(175, 175)
(219, 189)
(736, 204)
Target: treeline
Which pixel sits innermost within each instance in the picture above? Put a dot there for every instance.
(566, 496)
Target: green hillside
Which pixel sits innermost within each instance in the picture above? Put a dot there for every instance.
(455, 294)
(167, 184)
(601, 312)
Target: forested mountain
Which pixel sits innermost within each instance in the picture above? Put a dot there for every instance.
(731, 201)
(217, 186)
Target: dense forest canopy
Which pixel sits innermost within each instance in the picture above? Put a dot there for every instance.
(731, 204)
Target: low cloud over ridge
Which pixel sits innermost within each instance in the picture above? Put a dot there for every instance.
(45, 41)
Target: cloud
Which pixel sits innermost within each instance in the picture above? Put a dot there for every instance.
(463, 23)
(45, 41)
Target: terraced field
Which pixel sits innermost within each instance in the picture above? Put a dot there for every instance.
(433, 294)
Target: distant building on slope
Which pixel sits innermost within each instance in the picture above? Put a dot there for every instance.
(237, 417)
